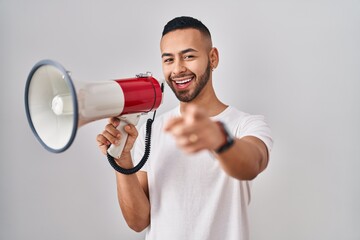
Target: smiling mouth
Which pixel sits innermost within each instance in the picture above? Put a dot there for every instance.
(183, 82)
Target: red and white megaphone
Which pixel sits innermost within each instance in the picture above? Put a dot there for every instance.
(56, 106)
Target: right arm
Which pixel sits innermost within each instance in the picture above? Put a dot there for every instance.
(132, 190)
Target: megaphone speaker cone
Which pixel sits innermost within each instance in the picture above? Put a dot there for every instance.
(51, 106)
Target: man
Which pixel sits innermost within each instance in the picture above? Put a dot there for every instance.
(195, 184)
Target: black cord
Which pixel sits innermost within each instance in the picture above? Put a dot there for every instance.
(144, 158)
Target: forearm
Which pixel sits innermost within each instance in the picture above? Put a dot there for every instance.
(245, 159)
(133, 200)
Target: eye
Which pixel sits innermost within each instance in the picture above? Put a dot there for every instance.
(168, 60)
(188, 57)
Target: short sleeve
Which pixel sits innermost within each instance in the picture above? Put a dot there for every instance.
(255, 125)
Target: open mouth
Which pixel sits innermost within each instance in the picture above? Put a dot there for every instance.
(183, 82)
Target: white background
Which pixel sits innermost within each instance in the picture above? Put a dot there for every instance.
(296, 62)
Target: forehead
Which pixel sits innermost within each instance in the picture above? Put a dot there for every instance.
(178, 40)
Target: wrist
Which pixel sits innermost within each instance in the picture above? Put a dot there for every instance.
(125, 161)
(229, 139)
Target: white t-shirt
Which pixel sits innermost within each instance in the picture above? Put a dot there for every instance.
(191, 196)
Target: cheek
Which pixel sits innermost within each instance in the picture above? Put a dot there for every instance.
(197, 68)
(166, 71)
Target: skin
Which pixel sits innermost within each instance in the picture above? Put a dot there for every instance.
(188, 60)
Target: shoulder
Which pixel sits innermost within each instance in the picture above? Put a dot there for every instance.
(243, 124)
(233, 116)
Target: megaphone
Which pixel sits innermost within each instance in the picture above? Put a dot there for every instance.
(56, 106)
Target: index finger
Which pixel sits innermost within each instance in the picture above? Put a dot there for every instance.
(114, 121)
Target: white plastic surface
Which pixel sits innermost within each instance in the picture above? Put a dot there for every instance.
(116, 151)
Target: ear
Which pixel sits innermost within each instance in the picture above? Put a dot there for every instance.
(214, 57)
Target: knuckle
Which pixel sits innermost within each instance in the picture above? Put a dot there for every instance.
(108, 127)
(99, 137)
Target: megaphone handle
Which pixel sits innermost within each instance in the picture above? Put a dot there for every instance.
(115, 151)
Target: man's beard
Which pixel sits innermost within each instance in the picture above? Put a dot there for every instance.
(201, 81)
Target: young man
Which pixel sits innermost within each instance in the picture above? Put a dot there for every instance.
(195, 184)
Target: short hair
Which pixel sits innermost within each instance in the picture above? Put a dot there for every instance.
(185, 22)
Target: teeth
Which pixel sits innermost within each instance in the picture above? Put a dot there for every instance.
(183, 81)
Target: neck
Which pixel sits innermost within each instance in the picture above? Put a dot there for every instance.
(207, 100)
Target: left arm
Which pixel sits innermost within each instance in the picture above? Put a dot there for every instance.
(195, 131)
(245, 159)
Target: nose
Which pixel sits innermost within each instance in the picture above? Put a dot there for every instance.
(178, 68)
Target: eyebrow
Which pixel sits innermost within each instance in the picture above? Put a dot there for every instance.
(181, 52)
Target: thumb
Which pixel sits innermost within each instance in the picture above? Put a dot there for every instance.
(131, 130)
(132, 135)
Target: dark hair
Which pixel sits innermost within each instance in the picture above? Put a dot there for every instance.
(185, 22)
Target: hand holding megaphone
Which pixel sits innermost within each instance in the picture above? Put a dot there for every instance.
(56, 106)
(116, 150)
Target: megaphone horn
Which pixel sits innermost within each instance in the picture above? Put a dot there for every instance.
(56, 105)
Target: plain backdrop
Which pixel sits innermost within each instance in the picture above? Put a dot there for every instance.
(296, 62)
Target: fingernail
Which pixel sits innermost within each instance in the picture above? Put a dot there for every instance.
(116, 142)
